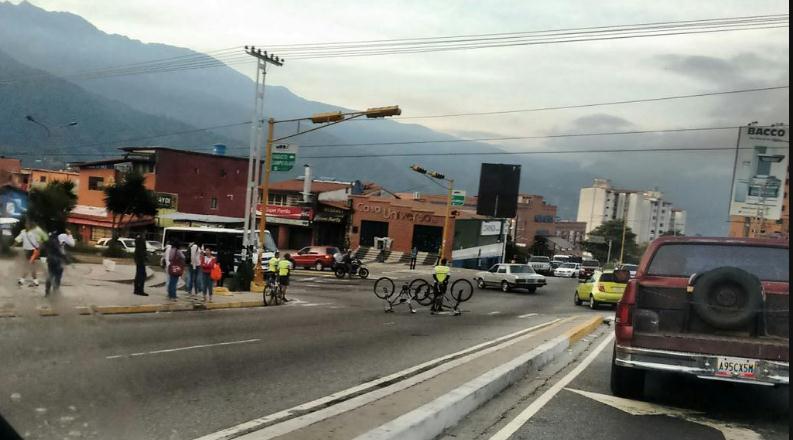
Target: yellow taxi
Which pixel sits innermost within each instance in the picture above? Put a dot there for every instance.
(600, 288)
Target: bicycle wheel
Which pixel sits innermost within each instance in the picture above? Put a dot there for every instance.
(384, 288)
(274, 295)
(421, 291)
(265, 291)
(462, 290)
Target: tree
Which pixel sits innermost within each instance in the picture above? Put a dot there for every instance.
(611, 230)
(540, 246)
(129, 198)
(49, 206)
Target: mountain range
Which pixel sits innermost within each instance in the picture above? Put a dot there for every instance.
(40, 50)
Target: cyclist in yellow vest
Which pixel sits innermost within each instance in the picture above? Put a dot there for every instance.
(441, 277)
(284, 268)
(272, 267)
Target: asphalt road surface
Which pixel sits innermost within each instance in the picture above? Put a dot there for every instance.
(186, 374)
(573, 401)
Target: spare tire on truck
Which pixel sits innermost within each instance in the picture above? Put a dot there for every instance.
(727, 297)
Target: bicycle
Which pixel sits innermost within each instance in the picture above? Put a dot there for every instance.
(274, 290)
(442, 296)
(384, 289)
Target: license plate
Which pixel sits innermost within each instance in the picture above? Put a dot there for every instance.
(736, 367)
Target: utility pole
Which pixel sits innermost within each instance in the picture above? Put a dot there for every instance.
(255, 149)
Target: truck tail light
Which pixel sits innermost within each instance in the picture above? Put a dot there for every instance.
(623, 322)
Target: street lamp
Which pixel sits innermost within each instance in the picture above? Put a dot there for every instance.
(45, 127)
(450, 188)
(327, 119)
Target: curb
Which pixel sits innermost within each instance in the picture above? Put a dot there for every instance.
(430, 420)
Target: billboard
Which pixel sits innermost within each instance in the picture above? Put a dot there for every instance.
(498, 190)
(760, 172)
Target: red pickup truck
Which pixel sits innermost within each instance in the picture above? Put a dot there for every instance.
(714, 308)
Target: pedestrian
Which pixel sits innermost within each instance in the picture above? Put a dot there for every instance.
(207, 265)
(285, 266)
(226, 261)
(30, 238)
(174, 267)
(55, 259)
(194, 276)
(414, 253)
(140, 265)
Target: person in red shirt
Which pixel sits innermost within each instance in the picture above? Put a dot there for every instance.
(207, 264)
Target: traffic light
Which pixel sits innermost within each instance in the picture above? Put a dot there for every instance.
(321, 118)
(382, 112)
(418, 169)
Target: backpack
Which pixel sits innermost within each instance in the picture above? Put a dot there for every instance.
(176, 267)
(216, 273)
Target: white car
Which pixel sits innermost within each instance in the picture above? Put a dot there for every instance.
(567, 270)
(128, 244)
(540, 264)
(510, 276)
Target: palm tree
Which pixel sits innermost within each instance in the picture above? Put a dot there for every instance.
(129, 198)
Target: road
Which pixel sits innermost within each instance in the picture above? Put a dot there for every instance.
(573, 401)
(183, 375)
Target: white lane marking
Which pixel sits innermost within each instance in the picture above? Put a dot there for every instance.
(494, 313)
(521, 419)
(192, 347)
(370, 390)
(637, 408)
(527, 315)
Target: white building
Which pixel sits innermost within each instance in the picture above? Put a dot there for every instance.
(647, 213)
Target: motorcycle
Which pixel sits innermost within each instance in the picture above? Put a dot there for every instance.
(340, 270)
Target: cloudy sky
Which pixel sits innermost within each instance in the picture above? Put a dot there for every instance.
(504, 78)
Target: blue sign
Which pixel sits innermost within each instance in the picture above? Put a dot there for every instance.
(13, 202)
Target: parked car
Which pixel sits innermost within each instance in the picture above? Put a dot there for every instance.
(587, 268)
(317, 257)
(601, 288)
(128, 244)
(540, 264)
(510, 276)
(630, 268)
(712, 308)
(567, 270)
(154, 247)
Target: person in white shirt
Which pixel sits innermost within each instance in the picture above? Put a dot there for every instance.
(194, 277)
(31, 238)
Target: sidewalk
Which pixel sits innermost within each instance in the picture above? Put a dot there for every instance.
(106, 289)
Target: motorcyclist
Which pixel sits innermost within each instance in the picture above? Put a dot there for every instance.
(347, 262)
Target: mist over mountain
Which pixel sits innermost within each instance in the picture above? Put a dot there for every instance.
(42, 49)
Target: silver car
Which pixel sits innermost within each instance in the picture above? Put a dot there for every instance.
(510, 276)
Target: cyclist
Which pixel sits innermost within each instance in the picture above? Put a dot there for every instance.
(284, 268)
(441, 276)
(272, 269)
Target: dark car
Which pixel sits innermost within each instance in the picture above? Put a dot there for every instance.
(712, 308)
(317, 257)
(588, 268)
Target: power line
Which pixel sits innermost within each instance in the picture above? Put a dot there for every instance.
(533, 152)
(233, 55)
(598, 104)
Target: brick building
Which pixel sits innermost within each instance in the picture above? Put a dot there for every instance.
(572, 231)
(534, 217)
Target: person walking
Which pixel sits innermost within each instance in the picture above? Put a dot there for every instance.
(30, 238)
(140, 265)
(55, 257)
(207, 265)
(414, 253)
(174, 267)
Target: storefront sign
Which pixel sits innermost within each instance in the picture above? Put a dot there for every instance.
(389, 213)
(166, 200)
(491, 228)
(291, 212)
(330, 214)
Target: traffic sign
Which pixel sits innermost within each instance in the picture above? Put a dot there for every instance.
(283, 157)
(458, 197)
